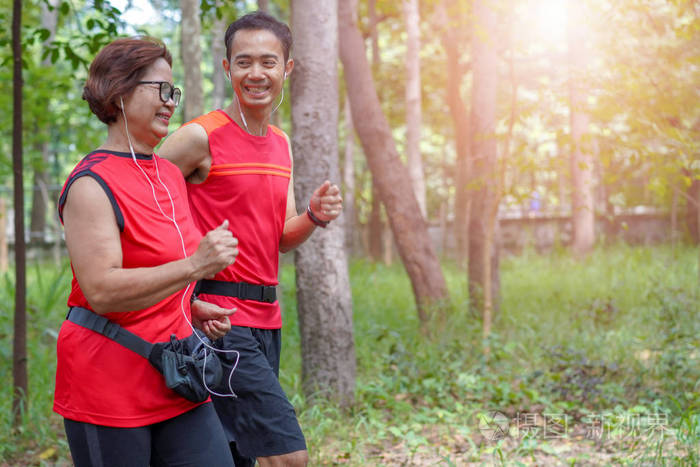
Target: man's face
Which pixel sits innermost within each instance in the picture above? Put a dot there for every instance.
(257, 67)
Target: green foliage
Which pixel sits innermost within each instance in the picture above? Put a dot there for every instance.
(40, 433)
(577, 339)
(612, 337)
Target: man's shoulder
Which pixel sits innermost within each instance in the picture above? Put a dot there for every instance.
(210, 121)
(279, 132)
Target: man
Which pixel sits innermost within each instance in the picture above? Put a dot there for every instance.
(239, 167)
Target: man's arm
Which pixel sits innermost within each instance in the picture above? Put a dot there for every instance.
(326, 205)
(188, 148)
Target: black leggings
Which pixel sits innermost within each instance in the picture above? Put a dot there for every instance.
(194, 438)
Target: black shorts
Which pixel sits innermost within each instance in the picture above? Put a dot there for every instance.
(260, 420)
(192, 438)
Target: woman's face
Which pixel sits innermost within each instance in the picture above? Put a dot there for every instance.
(147, 115)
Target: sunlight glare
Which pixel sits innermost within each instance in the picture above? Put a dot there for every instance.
(550, 20)
(140, 13)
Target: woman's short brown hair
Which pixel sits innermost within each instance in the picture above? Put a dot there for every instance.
(116, 70)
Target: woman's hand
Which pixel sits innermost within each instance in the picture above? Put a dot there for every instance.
(211, 319)
(217, 250)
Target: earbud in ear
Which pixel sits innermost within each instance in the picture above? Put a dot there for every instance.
(285, 75)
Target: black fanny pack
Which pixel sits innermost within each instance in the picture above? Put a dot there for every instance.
(188, 368)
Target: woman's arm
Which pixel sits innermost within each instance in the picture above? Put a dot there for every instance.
(92, 239)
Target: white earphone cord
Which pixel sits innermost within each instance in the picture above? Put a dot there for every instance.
(240, 111)
(184, 252)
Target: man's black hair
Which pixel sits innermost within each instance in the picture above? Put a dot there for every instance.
(260, 20)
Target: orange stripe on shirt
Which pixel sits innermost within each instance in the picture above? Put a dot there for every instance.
(250, 164)
(211, 121)
(215, 173)
(279, 132)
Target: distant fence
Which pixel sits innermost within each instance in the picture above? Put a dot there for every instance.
(543, 231)
(540, 231)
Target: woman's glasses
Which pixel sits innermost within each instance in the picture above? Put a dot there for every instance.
(167, 91)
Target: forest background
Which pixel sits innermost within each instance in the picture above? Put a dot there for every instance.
(444, 119)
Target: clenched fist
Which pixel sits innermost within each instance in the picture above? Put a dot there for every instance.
(217, 250)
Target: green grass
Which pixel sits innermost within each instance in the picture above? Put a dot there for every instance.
(614, 337)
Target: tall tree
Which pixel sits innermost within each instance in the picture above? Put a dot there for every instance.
(582, 167)
(374, 224)
(19, 346)
(409, 227)
(484, 177)
(448, 23)
(349, 180)
(191, 54)
(218, 52)
(323, 283)
(413, 102)
(40, 194)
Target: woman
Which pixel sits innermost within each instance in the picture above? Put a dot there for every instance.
(135, 254)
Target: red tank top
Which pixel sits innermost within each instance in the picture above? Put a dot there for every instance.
(247, 184)
(98, 380)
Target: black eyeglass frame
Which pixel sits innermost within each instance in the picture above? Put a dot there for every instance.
(166, 91)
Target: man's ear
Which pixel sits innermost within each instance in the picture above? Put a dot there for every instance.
(227, 70)
(288, 67)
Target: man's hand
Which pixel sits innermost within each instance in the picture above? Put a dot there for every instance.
(326, 203)
(212, 319)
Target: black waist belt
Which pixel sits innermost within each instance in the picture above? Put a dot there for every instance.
(100, 324)
(242, 290)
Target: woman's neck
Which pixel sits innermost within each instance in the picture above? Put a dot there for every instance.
(118, 141)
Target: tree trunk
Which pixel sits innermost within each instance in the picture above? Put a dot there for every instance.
(263, 5)
(218, 52)
(674, 215)
(40, 195)
(692, 210)
(376, 226)
(485, 177)
(323, 284)
(413, 102)
(582, 208)
(460, 119)
(4, 255)
(349, 181)
(409, 227)
(191, 54)
(20, 396)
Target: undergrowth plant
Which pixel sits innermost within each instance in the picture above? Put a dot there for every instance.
(609, 342)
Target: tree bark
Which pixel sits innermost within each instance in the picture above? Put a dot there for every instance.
(484, 153)
(263, 5)
(191, 54)
(40, 195)
(375, 226)
(323, 284)
(413, 102)
(349, 181)
(20, 396)
(693, 210)
(460, 119)
(4, 255)
(582, 208)
(218, 52)
(409, 227)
